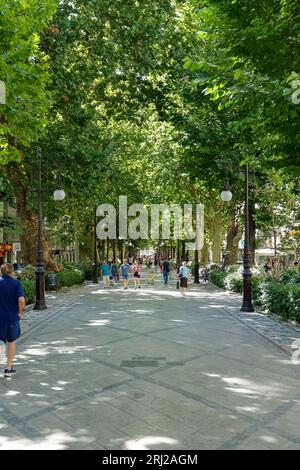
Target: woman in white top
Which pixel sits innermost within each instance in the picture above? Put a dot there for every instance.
(184, 274)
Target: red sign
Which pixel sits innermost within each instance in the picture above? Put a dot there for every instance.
(4, 247)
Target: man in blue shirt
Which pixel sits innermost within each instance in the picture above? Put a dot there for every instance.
(125, 273)
(12, 303)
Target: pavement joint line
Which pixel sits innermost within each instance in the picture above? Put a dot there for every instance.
(20, 425)
(14, 419)
(43, 322)
(147, 378)
(241, 361)
(259, 333)
(210, 404)
(184, 361)
(284, 434)
(148, 333)
(264, 421)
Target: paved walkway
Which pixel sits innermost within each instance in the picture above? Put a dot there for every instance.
(114, 369)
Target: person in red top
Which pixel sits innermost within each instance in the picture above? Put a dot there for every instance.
(136, 270)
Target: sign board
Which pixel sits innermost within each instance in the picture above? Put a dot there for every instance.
(241, 244)
(17, 246)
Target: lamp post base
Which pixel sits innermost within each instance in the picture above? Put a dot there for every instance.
(95, 277)
(247, 291)
(40, 305)
(247, 307)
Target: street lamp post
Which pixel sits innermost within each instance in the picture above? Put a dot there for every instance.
(95, 276)
(40, 303)
(247, 293)
(196, 266)
(59, 195)
(226, 196)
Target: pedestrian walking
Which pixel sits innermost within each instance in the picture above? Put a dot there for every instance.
(151, 276)
(136, 271)
(12, 303)
(165, 270)
(125, 273)
(172, 268)
(105, 273)
(114, 270)
(156, 263)
(184, 274)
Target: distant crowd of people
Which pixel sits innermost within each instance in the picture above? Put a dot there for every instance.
(112, 272)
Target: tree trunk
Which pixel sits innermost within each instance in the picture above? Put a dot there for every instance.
(28, 235)
(120, 246)
(183, 249)
(114, 249)
(217, 236)
(234, 233)
(205, 251)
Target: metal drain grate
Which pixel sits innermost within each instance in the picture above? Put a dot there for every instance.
(140, 363)
(146, 361)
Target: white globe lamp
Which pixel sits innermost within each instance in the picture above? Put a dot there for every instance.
(226, 195)
(59, 195)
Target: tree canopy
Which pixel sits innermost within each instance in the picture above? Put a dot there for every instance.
(156, 100)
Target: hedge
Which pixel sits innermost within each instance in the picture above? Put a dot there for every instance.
(217, 277)
(67, 278)
(86, 268)
(290, 276)
(29, 289)
(280, 297)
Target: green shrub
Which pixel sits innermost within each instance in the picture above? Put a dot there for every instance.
(217, 277)
(277, 299)
(258, 286)
(67, 278)
(234, 282)
(214, 267)
(66, 265)
(294, 308)
(29, 289)
(28, 272)
(290, 275)
(86, 268)
(233, 268)
(283, 299)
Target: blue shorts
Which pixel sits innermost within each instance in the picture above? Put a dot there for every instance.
(9, 331)
(125, 276)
